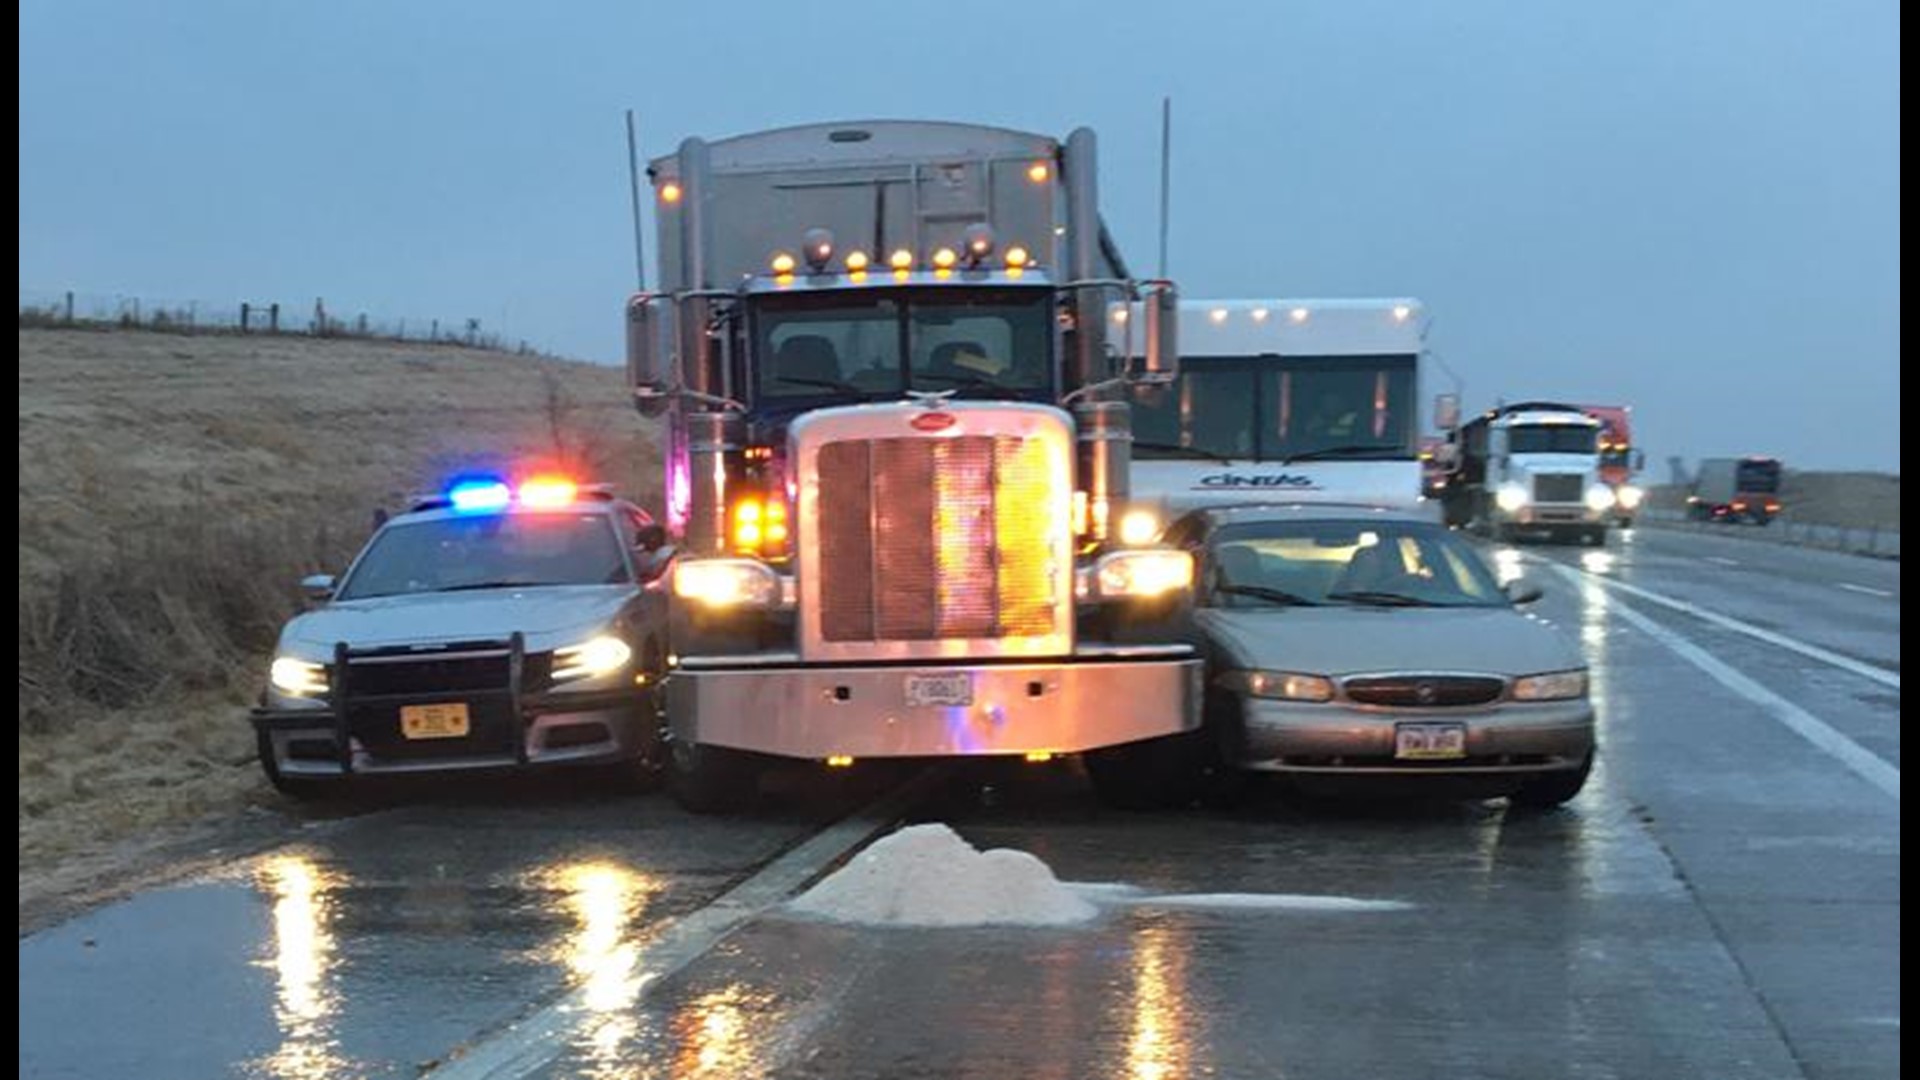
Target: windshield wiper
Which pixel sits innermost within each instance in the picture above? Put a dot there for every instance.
(1262, 592)
(503, 584)
(1382, 599)
(830, 384)
(970, 382)
(1356, 450)
(1176, 448)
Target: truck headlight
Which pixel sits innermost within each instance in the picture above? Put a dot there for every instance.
(1511, 497)
(1599, 497)
(725, 583)
(1630, 496)
(1553, 686)
(1141, 574)
(595, 656)
(1280, 685)
(297, 678)
(1138, 527)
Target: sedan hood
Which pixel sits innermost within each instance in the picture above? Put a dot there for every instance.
(549, 615)
(1354, 640)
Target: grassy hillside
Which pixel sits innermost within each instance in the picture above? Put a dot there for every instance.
(1856, 500)
(172, 491)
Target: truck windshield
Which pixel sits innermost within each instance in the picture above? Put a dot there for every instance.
(1273, 408)
(488, 551)
(1552, 439)
(1761, 477)
(850, 344)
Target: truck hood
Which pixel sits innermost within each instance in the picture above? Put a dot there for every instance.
(1175, 487)
(550, 616)
(1353, 640)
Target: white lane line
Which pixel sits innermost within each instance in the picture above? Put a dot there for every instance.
(1826, 656)
(1722, 560)
(1869, 590)
(1863, 762)
(537, 1041)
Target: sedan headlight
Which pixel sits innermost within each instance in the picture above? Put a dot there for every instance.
(1511, 497)
(1142, 574)
(597, 656)
(726, 583)
(297, 678)
(1600, 497)
(1553, 686)
(1280, 685)
(1630, 496)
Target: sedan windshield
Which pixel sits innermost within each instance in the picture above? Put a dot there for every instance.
(488, 551)
(980, 342)
(1360, 563)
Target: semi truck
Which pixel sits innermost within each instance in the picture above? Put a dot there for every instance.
(1620, 459)
(1736, 489)
(1282, 400)
(896, 424)
(1529, 468)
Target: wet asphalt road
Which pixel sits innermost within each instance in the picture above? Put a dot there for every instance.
(1722, 901)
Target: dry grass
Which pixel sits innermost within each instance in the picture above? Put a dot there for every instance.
(1854, 500)
(174, 489)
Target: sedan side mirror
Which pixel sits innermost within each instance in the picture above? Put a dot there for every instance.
(1521, 591)
(317, 587)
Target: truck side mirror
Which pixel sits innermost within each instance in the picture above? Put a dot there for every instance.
(1161, 365)
(649, 362)
(1446, 411)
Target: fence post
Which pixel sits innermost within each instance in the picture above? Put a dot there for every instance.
(319, 317)
(246, 313)
(69, 305)
(273, 317)
(360, 325)
(434, 334)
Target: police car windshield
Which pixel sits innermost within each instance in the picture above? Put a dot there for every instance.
(488, 551)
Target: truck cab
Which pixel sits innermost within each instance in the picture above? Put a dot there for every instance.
(1531, 468)
(1735, 490)
(1620, 459)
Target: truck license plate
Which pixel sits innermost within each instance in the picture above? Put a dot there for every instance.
(1428, 742)
(434, 721)
(940, 689)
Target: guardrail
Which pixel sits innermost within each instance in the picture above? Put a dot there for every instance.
(1879, 542)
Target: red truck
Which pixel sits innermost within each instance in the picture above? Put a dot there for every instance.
(1619, 459)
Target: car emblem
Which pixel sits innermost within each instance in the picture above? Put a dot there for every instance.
(1426, 693)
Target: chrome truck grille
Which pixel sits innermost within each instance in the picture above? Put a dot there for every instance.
(1559, 487)
(949, 542)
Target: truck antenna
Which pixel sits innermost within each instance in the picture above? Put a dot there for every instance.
(633, 183)
(1166, 175)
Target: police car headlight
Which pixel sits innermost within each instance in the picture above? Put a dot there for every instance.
(1511, 497)
(1141, 574)
(1553, 686)
(596, 656)
(297, 678)
(726, 583)
(1630, 496)
(1599, 497)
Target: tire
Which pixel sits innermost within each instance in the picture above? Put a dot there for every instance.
(1553, 789)
(1596, 537)
(295, 788)
(1168, 773)
(711, 779)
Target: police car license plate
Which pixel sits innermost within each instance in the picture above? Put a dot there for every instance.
(434, 721)
(1428, 742)
(940, 689)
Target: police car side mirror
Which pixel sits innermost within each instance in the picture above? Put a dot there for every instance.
(1520, 591)
(650, 537)
(653, 563)
(317, 587)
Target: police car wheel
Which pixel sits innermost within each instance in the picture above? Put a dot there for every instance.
(292, 787)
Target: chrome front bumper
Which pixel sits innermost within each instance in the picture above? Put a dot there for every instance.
(1511, 737)
(772, 704)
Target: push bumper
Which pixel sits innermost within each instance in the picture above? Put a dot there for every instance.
(1515, 737)
(773, 704)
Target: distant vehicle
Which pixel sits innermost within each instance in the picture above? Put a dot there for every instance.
(489, 627)
(1284, 401)
(1530, 468)
(1435, 455)
(1736, 489)
(1344, 643)
(1620, 460)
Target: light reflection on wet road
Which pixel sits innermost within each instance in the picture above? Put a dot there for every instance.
(1721, 902)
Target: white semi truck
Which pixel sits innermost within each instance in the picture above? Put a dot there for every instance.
(896, 422)
(1531, 468)
(1283, 400)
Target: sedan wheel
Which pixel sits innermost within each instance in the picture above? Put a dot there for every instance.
(1555, 788)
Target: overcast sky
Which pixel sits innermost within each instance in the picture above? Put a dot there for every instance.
(1689, 207)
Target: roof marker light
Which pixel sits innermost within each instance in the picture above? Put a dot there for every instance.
(944, 259)
(471, 495)
(901, 259)
(669, 192)
(1218, 314)
(1038, 172)
(1298, 314)
(1402, 312)
(1259, 314)
(782, 263)
(1017, 257)
(856, 261)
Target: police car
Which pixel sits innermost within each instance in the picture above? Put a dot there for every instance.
(493, 625)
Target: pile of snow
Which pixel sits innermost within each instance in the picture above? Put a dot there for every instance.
(926, 875)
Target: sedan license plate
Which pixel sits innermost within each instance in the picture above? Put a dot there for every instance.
(1429, 742)
(434, 721)
(940, 689)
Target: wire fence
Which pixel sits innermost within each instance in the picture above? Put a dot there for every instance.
(1881, 541)
(99, 311)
